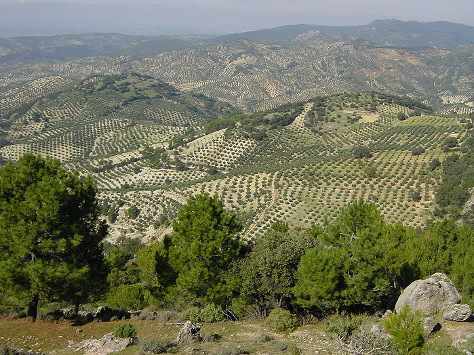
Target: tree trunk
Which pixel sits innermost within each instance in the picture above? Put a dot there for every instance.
(33, 308)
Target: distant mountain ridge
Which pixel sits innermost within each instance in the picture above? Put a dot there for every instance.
(386, 33)
(61, 47)
(380, 33)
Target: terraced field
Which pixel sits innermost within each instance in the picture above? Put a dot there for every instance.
(150, 147)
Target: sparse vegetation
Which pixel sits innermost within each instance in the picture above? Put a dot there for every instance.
(125, 331)
(406, 329)
(281, 320)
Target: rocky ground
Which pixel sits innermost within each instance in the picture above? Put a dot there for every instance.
(446, 320)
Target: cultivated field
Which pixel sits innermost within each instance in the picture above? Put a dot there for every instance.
(151, 147)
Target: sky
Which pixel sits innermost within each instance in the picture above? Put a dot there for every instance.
(46, 17)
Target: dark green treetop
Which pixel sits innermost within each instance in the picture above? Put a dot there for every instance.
(50, 233)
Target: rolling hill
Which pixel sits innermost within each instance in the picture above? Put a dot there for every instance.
(285, 124)
(150, 147)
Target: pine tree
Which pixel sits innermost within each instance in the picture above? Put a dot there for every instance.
(50, 234)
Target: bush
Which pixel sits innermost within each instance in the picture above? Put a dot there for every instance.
(154, 347)
(451, 142)
(415, 196)
(211, 314)
(133, 212)
(371, 172)
(267, 275)
(342, 327)
(359, 266)
(402, 116)
(281, 320)
(125, 331)
(129, 297)
(361, 152)
(418, 151)
(193, 314)
(434, 164)
(406, 329)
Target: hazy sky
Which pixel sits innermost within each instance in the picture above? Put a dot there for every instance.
(20, 17)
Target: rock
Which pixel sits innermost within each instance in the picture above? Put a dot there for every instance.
(85, 316)
(429, 296)
(105, 345)
(387, 314)
(68, 314)
(457, 312)
(430, 326)
(379, 331)
(189, 333)
(106, 314)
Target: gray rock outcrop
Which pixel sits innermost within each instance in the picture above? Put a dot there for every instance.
(189, 333)
(105, 345)
(433, 297)
(457, 312)
(429, 296)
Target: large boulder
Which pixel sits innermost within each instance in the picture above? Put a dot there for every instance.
(105, 345)
(189, 333)
(430, 296)
(457, 312)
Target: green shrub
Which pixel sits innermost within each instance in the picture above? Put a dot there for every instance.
(451, 142)
(133, 212)
(193, 314)
(281, 320)
(154, 347)
(342, 327)
(129, 297)
(406, 329)
(267, 275)
(359, 265)
(361, 152)
(415, 195)
(242, 309)
(418, 151)
(125, 331)
(211, 314)
(434, 164)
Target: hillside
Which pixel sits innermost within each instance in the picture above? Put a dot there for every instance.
(150, 147)
(255, 121)
(379, 33)
(256, 76)
(62, 47)
(252, 75)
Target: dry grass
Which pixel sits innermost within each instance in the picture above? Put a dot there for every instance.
(252, 336)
